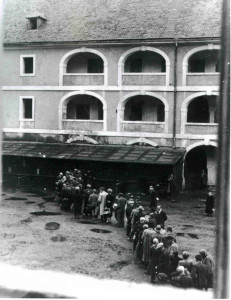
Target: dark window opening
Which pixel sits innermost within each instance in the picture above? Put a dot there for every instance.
(83, 111)
(100, 111)
(136, 65)
(198, 111)
(28, 65)
(94, 65)
(218, 66)
(196, 66)
(160, 113)
(27, 108)
(136, 112)
(163, 65)
(33, 24)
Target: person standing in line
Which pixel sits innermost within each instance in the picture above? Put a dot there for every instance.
(77, 203)
(102, 202)
(160, 216)
(86, 193)
(153, 198)
(147, 238)
(209, 204)
(187, 263)
(208, 261)
(153, 259)
(171, 190)
(128, 210)
(110, 199)
(200, 274)
(92, 202)
(121, 209)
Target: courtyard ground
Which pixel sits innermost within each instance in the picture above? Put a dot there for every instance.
(75, 248)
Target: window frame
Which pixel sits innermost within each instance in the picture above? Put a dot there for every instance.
(21, 118)
(22, 64)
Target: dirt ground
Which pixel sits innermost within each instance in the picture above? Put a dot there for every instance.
(74, 248)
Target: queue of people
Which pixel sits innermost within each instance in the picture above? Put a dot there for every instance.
(153, 245)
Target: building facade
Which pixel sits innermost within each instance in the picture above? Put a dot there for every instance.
(107, 73)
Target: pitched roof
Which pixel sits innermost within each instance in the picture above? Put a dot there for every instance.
(98, 20)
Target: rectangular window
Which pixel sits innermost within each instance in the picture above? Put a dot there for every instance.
(33, 24)
(83, 111)
(26, 108)
(94, 65)
(197, 66)
(136, 65)
(27, 65)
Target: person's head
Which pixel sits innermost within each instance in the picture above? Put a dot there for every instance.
(75, 170)
(141, 209)
(132, 197)
(203, 253)
(88, 186)
(145, 226)
(158, 228)
(169, 229)
(155, 242)
(142, 220)
(94, 191)
(151, 188)
(67, 173)
(120, 195)
(158, 208)
(210, 193)
(198, 257)
(61, 174)
(180, 270)
(109, 191)
(185, 255)
(102, 189)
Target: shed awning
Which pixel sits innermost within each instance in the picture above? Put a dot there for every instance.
(106, 153)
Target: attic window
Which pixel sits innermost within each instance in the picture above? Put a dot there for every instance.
(35, 21)
(33, 24)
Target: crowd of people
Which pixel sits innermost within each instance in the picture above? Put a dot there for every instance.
(155, 247)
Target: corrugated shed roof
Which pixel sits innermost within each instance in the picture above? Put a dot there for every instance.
(91, 20)
(110, 153)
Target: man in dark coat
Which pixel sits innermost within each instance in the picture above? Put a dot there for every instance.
(160, 216)
(153, 198)
(208, 261)
(200, 274)
(121, 209)
(163, 262)
(209, 204)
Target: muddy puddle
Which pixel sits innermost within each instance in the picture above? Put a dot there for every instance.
(87, 222)
(180, 234)
(100, 230)
(120, 264)
(188, 226)
(52, 226)
(16, 198)
(43, 295)
(45, 213)
(30, 202)
(193, 235)
(28, 220)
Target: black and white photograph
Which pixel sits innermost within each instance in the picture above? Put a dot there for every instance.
(115, 149)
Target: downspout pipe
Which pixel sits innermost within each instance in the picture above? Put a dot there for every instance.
(175, 95)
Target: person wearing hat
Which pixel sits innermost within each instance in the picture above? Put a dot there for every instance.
(153, 198)
(137, 229)
(209, 204)
(182, 278)
(163, 261)
(186, 262)
(168, 237)
(86, 193)
(153, 259)
(102, 203)
(77, 203)
(110, 199)
(160, 216)
(131, 204)
(208, 261)
(139, 245)
(147, 237)
(121, 209)
(200, 274)
(92, 202)
(157, 233)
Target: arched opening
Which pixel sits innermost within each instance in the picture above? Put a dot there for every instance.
(83, 107)
(202, 110)
(145, 62)
(199, 160)
(206, 61)
(85, 62)
(144, 108)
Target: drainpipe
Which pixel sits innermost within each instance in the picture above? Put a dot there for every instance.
(175, 96)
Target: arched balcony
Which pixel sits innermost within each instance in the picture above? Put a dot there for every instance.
(83, 67)
(144, 66)
(201, 66)
(199, 115)
(79, 111)
(142, 113)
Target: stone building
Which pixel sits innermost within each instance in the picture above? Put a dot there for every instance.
(111, 82)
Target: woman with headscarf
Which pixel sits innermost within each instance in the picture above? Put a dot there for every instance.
(153, 262)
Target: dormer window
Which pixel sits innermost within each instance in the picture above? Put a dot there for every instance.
(35, 21)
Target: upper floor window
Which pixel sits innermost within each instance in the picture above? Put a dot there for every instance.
(95, 65)
(85, 62)
(145, 62)
(35, 21)
(27, 65)
(206, 61)
(26, 108)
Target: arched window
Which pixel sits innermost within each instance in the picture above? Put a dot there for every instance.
(85, 62)
(202, 110)
(206, 61)
(145, 62)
